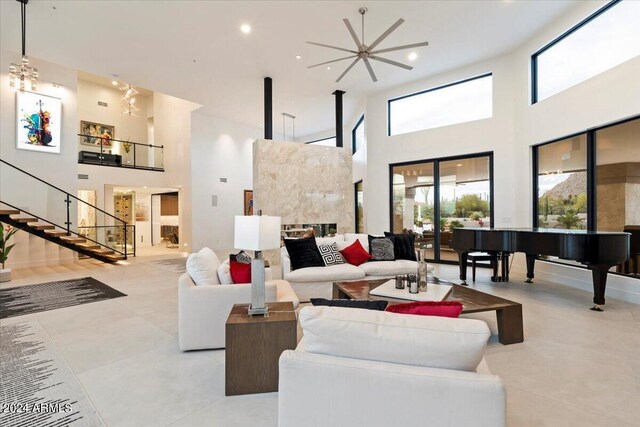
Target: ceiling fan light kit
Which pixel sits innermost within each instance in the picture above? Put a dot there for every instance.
(367, 52)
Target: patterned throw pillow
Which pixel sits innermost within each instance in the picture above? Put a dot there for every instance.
(382, 249)
(330, 254)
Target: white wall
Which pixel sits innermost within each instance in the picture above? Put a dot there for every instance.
(57, 169)
(133, 128)
(219, 149)
(516, 125)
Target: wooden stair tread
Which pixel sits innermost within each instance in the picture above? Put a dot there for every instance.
(88, 245)
(43, 227)
(55, 233)
(9, 212)
(102, 251)
(73, 239)
(25, 220)
(115, 257)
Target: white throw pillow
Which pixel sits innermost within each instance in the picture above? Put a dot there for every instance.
(224, 273)
(203, 267)
(437, 342)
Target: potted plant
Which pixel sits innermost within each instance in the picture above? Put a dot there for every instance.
(7, 232)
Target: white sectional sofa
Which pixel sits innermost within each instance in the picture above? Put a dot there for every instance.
(317, 282)
(363, 368)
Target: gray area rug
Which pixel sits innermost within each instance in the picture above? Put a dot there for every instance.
(38, 387)
(49, 296)
(175, 265)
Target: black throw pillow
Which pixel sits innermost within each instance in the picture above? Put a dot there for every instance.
(403, 245)
(351, 303)
(381, 248)
(303, 253)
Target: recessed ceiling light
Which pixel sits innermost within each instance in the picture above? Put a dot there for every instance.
(245, 28)
(412, 56)
(459, 165)
(298, 57)
(113, 82)
(328, 68)
(235, 118)
(293, 102)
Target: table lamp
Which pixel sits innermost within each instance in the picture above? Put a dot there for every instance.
(257, 233)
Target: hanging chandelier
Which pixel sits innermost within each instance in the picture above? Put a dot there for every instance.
(23, 73)
(129, 100)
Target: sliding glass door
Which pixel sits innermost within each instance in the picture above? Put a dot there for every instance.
(430, 198)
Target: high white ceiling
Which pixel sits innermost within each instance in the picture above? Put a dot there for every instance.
(196, 51)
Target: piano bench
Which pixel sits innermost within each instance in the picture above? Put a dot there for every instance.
(480, 256)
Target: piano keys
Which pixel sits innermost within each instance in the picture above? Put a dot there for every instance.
(597, 250)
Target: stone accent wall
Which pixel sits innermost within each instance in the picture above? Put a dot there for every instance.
(304, 184)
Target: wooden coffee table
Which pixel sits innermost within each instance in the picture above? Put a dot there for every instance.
(509, 313)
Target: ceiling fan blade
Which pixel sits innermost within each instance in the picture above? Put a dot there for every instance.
(334, 47)
(406, 46)
(329, 62)
(348, 68)
(388, 61)
(352, 32)
(373, 75)
(386, 33)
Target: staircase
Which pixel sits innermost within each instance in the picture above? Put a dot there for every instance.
(57, 204)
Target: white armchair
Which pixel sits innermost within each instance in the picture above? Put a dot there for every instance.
(356, 368)
(203, 310)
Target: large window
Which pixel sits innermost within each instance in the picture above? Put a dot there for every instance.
(357, 135)
(562, 183)
(433, 197)
(458, 102)
(592, 181)
(359, 190)
(605, 39)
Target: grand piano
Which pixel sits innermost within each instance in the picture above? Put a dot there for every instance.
(598, 250)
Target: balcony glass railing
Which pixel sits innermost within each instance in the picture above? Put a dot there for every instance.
(98, 150)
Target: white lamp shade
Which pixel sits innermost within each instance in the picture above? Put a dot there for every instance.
(257, 232)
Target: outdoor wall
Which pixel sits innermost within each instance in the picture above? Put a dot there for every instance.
(304, 184)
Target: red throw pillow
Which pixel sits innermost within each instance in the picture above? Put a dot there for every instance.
(428, 308)
(355, 253)
(240, 271)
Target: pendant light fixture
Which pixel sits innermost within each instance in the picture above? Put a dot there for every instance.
(23, 73)
(129, 100)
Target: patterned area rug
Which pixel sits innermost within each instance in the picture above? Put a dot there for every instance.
(38, 388)
(176, 265)
(49, 296)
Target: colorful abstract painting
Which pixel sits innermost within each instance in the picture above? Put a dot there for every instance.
(39, 120)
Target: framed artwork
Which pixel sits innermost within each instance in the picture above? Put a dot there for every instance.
(248, 202)
(142, 212)
(96, 133)
(39, 120)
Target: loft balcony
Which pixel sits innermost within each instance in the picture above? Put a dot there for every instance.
(105, 151)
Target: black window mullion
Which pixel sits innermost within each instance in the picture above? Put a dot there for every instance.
(591, 181)
(535, 166)
(436, 210)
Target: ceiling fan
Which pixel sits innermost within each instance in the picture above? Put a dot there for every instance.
(365, 52)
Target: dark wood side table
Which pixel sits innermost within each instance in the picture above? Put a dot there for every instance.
(254, 345)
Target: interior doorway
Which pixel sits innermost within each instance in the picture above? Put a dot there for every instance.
(155, 213)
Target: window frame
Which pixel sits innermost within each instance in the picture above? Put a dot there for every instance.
(592, 206)
(322, 139)
(359, 123)
(436, 177)
(355, 191)
(433, 89)
(552, 43)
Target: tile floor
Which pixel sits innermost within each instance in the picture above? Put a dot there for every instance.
(575, 368)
